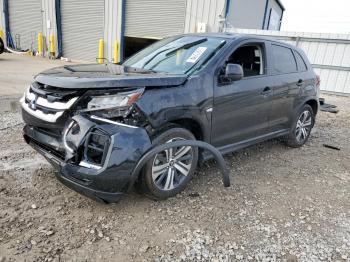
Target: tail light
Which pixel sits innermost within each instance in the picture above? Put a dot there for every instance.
(96, 147)
(318, 81)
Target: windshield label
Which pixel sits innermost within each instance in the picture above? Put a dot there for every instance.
(196, 54)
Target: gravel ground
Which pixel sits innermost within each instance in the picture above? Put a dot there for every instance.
(285, 205)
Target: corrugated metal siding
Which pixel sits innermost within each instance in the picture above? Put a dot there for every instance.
(204, 11)
(49, 22)
(26, 21)
(240, 14)
(2, 20)
(112, 26)
(154, 18)
(328, 53)
(82, 27)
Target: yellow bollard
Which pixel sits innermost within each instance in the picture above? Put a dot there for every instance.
(52, 43)
(100, 51)
(1, 35)
(40, 44)
(116, 52)
(52, 47)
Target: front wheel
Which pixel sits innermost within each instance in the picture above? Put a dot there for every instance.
(302, 127)
(169, 171)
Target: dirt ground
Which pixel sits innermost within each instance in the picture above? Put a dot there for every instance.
(284, 205)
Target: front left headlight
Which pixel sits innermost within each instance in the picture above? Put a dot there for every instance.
(113, 105)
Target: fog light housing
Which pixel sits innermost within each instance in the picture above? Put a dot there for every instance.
(96, 147)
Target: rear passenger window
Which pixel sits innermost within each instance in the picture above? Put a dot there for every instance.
(284, 60)
(301, 63)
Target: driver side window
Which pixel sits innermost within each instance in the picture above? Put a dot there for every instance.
(251, 58)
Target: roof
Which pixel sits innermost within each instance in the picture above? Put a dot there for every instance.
(234, 36)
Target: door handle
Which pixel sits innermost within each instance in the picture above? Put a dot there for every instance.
(267, 90)
(300, 82)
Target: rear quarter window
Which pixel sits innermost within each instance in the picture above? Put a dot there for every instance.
(284, 61)
(301, 62)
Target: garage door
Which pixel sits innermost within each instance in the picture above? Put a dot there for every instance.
(82, 27)
(25, 22)
(154, 18)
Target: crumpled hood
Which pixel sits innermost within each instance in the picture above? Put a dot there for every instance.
(106, 76)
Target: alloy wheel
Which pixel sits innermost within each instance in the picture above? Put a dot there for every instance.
(171, 167)
(304, 125)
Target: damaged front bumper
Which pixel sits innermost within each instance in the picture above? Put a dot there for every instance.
(94, 156)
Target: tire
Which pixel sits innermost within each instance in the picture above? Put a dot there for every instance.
(301, 128)
(162, 177)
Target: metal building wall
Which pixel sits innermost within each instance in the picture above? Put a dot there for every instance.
(48, 14)
(49, 22)
(2, 20)
(112, 27)
(241, 16)
(82, 28)
(275, 6)
(204, 11)
(25, 23)
(154, 18)
(329, 55)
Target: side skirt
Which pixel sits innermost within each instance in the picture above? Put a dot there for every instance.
(245, 143)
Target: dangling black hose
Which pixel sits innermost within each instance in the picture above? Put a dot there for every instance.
(155, 150)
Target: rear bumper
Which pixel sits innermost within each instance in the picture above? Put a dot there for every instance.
(106, 182)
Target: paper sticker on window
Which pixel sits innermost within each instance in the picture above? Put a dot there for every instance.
(196, 54)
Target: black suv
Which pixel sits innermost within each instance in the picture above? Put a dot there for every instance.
(94, 122)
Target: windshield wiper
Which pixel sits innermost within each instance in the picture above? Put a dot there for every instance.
(188, 45)
(223, 42)
(185, 46)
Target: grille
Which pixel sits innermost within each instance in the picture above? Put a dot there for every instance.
(52, 93)
(48, 103)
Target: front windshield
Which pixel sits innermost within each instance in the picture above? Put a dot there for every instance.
(176, 55)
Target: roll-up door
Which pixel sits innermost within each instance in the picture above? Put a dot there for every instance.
(25, 19)
(82, 27)
(154, 18)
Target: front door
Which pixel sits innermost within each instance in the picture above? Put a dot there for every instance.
(241, 108)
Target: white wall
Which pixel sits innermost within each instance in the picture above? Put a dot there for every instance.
(203, 11)
(241, 15)
(112, 27)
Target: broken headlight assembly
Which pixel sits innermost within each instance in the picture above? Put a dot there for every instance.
(112, 104)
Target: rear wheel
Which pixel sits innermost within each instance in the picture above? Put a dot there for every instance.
(302, 127)
(170, 170)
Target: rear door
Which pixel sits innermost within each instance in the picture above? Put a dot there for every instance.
(287, 83)
(241, 108)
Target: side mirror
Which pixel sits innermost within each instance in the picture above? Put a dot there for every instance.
(234, 72)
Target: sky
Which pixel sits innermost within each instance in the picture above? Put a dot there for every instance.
(320, 16)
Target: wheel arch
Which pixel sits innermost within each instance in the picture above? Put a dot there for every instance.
(314, 105)
(191, 125)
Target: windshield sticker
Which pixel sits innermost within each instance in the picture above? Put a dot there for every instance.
(196, 54)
